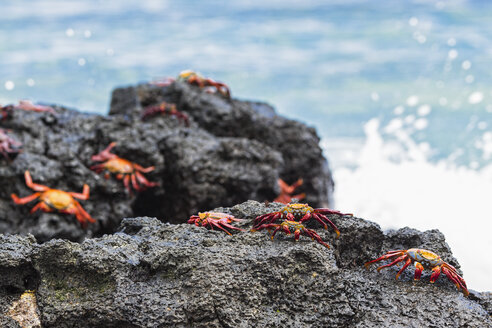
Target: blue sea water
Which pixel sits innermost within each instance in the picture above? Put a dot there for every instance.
(399, 91)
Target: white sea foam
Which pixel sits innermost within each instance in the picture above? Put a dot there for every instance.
(412, 191)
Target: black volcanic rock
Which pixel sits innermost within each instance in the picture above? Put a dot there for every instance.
(154, 274)
(232, 151)
(297, 143)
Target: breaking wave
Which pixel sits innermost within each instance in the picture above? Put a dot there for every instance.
(396, 185)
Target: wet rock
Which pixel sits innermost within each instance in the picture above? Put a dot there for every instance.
(297, 143)
(154, 274)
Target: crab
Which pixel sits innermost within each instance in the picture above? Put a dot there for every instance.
(422, 258)
(123, 169)
(28, 105)
(286, 191)
(195, 78)
(6, 112)
(292, 226)
(165, 109)
(214, 219)
(301, 213)
(56, 200)
(8, 145)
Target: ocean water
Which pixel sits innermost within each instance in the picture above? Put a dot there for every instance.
(399, 91)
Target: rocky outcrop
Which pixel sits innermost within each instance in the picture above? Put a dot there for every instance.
(297, 143)
(154, 274)
(232, 151)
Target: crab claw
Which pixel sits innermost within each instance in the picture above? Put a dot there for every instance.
(105, 154)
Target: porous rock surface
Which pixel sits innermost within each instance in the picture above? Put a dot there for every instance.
(154, 274)
(231, 152)
(297, 143)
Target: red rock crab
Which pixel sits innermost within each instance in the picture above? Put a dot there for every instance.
(214, 219)
(195, 78)
(8, 145)
(422, 258)
(164, 108)
(123, 169)
(293, 216)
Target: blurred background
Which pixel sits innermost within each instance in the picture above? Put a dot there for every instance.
(399, 91)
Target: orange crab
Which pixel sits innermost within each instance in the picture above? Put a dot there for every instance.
(56, 200)
(214, 219)
(165, 109)
(195, 78)
(286, 192)
(422, 258)
(123, 169)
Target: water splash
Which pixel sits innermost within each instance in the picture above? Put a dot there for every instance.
(395, 185)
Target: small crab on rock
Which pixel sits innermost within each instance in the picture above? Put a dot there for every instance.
(214, 219)
(286, 191)
(293, 216)
(197, 79)
(422, 258)
(164, 108)
(8, 145)
(29, 106)
(123, 169)
(56, 200)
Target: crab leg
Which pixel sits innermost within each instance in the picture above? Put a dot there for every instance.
(225, 224)
(80, 214)
(436, 271)
(144, 180)
(259, 220)
(24, 200)
(105, 154)
(321, 217)
(32, 185)
(267, 218)
(126, 182)
(97, 168)
(418, 270)
(41, 206)
(264, 226)
(456, 278)
(84, 195)
(407, 263)
(135, 185)
(311, 233)
(386, 256)
(183, 117)
(330, 211)
(142, 169)
(277, 229)
(399, 259)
